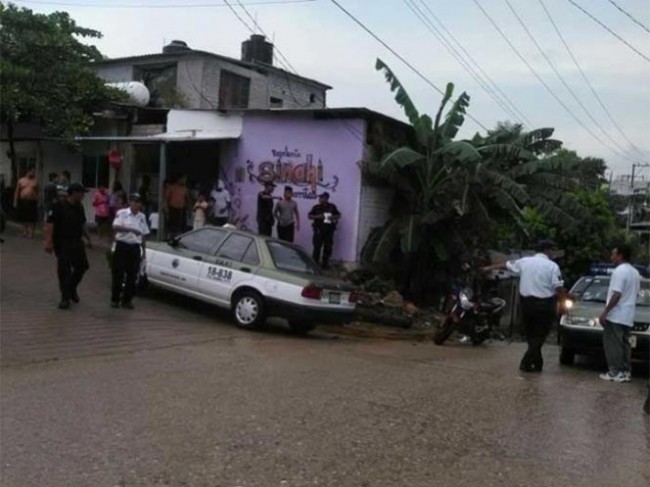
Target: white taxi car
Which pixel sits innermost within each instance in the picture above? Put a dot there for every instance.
(254, 276)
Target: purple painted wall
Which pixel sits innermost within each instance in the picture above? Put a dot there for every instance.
(312, 156)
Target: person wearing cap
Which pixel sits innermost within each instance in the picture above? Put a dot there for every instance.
(130, 226)
(265, 219)
(286, 213)
(540, 285)
(324, 216)
(65, 231)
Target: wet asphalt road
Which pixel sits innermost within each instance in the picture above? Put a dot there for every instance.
(173, 395)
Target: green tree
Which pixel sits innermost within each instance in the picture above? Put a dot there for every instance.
(45, 74)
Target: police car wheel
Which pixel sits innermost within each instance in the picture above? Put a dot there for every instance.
(248, 309)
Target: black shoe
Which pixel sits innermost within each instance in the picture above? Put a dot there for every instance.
(127, 305)
(115, 304)
(74, 297)
(64, 304)
(530, 368)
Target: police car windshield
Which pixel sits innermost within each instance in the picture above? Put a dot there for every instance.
(291, 259)
(594, 290)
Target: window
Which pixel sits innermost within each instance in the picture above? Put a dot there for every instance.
(251, 256)
(160, 79)
(202, 241)
(312, 98)
(234, 90)
(276, 102)
(235, 247)
(94, 172)
(292, 259)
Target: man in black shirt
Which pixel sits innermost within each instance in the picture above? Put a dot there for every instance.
(325, 216)
(265, 218)
(50, 192)
(65, 229)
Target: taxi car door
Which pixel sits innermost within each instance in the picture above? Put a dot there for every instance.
(235, 261)
(180, 265)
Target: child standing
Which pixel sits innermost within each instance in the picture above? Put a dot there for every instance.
(200, 212)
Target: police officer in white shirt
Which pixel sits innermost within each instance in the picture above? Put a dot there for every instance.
(617, 319)
(540, 284)
(130, 225)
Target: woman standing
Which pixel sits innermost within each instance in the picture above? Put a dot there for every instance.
(101, 205)
(117, 197)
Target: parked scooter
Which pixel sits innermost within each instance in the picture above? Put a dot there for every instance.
(470, 314)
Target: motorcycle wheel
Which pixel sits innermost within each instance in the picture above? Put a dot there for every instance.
(444, 332)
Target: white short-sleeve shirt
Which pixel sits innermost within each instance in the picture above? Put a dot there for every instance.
(626, 281)
(539, 276)
(126, 218)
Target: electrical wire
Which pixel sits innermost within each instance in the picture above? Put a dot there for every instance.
(536, 74)
(400, 57)
(495, 86)
(163, 5)
(566, 85)
(579, 7)
(586, 79)
(637, 22)
(421, 15)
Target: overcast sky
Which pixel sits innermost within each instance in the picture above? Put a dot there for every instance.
(322, 43)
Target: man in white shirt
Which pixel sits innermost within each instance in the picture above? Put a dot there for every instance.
(617, 319)
(221, 207)
(540, 284)
(130, 225)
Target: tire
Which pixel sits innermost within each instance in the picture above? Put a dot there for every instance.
(300, 328)
(480, 337)
(444, 332)
(567, 356)
(248, 310)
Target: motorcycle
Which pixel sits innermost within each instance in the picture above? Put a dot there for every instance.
(471, 315)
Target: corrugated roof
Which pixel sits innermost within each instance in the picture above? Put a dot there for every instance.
(175, 55)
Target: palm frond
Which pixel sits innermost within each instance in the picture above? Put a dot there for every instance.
(507, 152)
(455, 117)
(528, 138)
(396, 161)
(503, 182)
(401, 96)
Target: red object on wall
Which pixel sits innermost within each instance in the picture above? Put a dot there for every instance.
(115, 158)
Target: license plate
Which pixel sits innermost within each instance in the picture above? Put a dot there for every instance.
(335, 298)
(632, 341)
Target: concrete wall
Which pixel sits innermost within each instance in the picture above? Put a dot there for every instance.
(375, 203)
(288, 149)
(294, 93)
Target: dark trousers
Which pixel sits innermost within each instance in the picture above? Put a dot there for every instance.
(175, 221)
(72, 264)
(323, 240)
(618, 352)
(265, 228)
(538, 318)
(286, 232)
(126, 266)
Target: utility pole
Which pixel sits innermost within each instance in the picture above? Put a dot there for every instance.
(630, 207)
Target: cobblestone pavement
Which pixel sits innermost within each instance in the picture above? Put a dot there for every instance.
(172, 394)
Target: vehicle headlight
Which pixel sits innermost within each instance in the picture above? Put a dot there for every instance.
(580, 321)
(568, 304)
(465, 302)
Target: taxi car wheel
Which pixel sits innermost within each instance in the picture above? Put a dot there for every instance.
(567, 356)
(301, 328)
(248, 310)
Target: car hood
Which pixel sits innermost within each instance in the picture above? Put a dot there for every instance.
(593, 310)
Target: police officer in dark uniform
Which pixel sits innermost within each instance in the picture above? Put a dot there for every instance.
(325, 216)
(265, 219)
(65, 230)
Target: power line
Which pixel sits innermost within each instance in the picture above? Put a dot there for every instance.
(536, 74)
(584, 76)
(496, 88)
(421, 15)
(400, 57)
(163, 5)
(637, 22)
(608, 30)
(563, 81)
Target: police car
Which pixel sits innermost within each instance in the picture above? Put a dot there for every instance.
(580, 333)
(253, 276)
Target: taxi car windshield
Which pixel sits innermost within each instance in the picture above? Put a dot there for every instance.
(594, 290)
(291, 259)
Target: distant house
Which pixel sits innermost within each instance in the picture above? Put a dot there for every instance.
(181, 77)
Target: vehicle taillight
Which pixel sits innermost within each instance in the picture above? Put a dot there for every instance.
(354, 297)
(311, 292)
